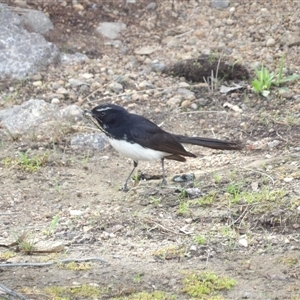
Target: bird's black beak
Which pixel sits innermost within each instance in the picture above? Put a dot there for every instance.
(89, 115)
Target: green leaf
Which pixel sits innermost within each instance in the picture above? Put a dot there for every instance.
(283, 89)
(289, 78)
(256, 84)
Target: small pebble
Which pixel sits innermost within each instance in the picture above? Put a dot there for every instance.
(55, 101)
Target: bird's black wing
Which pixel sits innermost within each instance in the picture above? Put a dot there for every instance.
(149, 135)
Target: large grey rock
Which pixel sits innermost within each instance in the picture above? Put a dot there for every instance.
(220, 3)
(37, 21)
(75, 58)
(21, 52)
(110, 30)
(37, 115)
(95, 141)
(116, 87)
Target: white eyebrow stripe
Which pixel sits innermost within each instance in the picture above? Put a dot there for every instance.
(104, 108)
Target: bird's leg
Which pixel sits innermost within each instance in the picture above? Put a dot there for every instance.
(125, 188)
(164, 181)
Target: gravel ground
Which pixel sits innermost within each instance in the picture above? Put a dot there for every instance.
(243, 223)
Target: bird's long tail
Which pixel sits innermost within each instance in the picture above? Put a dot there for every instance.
(210, 143)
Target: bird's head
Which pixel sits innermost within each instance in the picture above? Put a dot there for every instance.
(106, 115)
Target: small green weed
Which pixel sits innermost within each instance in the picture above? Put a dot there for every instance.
(137, 278)
(6, 255)
(57, 186)
(207, 199)
(183, 194)
(25, 242)
(136, 178)
(183, 208)
(25, 162)
(52, 225)
(234, 189)
(289, 261)
(204, 285)
(169, 252)
(154, 200)
(217, 178)
(212, 58)
(85, 291)
(199, 239)
(265, 79)
(262, 195)
(74, 266)
(157, 295)
(230, 234)
(86, 158)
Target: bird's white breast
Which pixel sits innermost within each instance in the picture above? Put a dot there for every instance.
(136, 151)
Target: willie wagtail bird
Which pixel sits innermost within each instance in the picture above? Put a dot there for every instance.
(140, 139)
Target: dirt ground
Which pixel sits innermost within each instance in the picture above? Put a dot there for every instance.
(243, 224)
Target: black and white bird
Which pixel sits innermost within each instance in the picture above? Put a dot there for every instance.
(140, 139)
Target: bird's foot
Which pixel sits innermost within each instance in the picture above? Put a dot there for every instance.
(164, 182)
(124, 188)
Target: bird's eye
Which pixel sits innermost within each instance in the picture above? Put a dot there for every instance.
(102, 114)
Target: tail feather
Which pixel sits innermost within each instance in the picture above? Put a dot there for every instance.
(210, 143)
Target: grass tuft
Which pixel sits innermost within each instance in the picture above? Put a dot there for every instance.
(207, 284)
(157, 295)
(25, 162)
(86, 291)
(265, 79)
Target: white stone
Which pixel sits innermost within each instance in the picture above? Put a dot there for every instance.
(55, 101)
(243, 242)
(110, 30)
(75, 212)
(270, 42)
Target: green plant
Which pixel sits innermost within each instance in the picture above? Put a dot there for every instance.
(57, 186)
(6, 255)
(170, 252)
(25, 162)
(25, 242)
(230, 235)
(155, 200)
(212, 57)
(207, 199)
(183, 208)
(156, 295)
(217, 177)
(76, 266)
(137, 278)
(265, 79)
(86, 158)
(206, 284)
(183, 194)
(199, 239)
(85, 291)
(136, 178)
(264, 195)
(234, 189)
(52, 225)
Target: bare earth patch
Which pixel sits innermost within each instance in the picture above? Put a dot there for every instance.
(243, 225)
